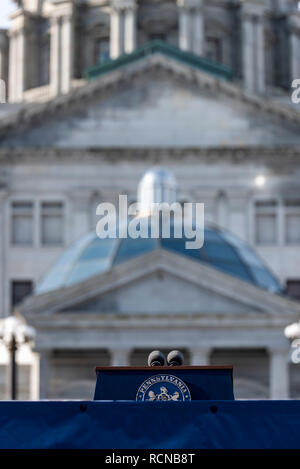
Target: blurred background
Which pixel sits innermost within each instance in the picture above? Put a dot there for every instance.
(186, 100)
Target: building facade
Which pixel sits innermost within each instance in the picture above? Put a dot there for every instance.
(102, 91)
(51, 43)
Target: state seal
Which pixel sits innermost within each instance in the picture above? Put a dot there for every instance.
(163, 388)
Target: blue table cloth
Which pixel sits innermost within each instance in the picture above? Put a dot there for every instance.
(124, 424)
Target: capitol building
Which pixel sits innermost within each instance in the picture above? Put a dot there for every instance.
(105, 97)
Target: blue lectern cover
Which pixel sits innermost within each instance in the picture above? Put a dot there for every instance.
(177, 383)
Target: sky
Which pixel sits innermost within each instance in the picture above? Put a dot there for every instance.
(6, 8)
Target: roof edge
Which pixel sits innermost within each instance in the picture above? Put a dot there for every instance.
(31, 114)
(161, 47)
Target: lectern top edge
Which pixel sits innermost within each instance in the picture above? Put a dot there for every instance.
(161, 368)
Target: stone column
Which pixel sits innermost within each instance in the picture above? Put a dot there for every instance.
(200, 356)
(67, 59)
(21, 59)
(130, 29)
(116, 44)
(120, 356)
(18, 56)
(12, 67)
(279, 374)
(253, 45)
(122, 27)
(62, 49)
(35, 377)
(55, 60)
(294, 29)
(3, 64)
(4, 293)
(184, 27)
(40, 375)
(191, 26)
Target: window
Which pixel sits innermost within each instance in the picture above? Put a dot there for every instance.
(22, 224)
(19, 290)
(214, 49)
(101, 51)
(52, 224)
(292, 221)
(293, 288)
(266, 222)
(277, 221)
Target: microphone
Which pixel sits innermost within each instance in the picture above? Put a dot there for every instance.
(175, 358)
(156, 358)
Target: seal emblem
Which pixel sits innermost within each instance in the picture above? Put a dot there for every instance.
(163, 388)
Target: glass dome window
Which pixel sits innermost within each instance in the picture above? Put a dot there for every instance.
(222, 250)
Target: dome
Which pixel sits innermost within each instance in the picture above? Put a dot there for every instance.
(222, 250)
(157, 185)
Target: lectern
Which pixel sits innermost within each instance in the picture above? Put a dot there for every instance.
(164, 383)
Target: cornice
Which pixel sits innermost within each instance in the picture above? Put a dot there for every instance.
(183, 321)
(280, 158)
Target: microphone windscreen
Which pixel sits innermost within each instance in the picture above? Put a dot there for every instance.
(175, 358)
(156, 358)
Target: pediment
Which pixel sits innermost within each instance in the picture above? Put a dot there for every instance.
(159, 283)
(161, 293)
(156, 102)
